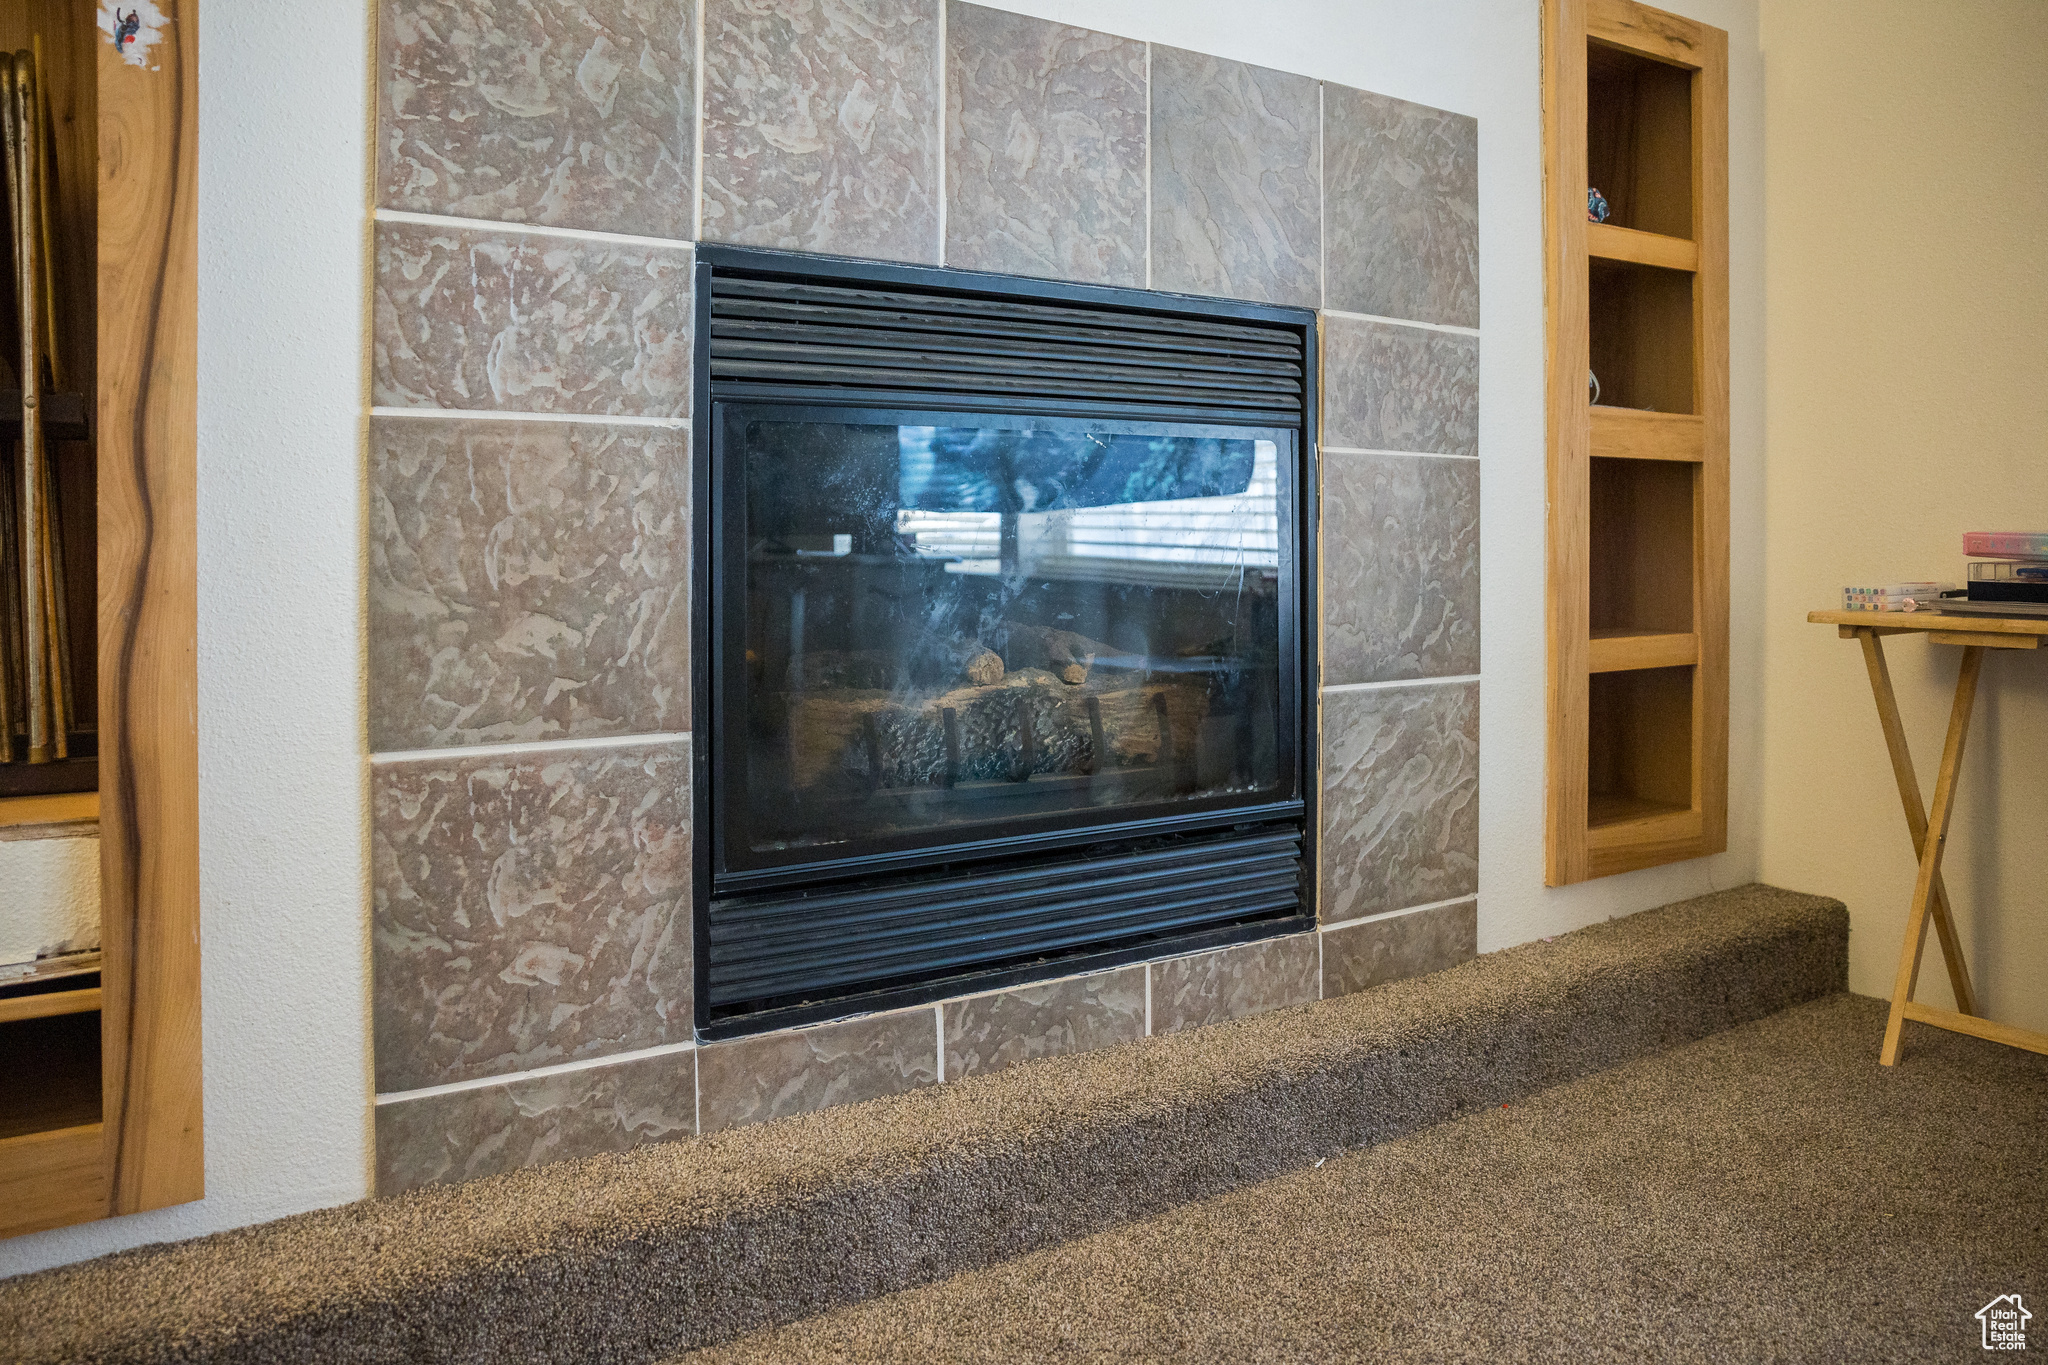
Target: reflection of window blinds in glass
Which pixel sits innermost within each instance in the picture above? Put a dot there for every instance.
(1196, 542)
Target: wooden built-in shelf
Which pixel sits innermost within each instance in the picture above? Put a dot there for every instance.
(52, 1179)
(100, 1078)
(1610, 810)
(1633, 434)
(48, 1004)
(1609, 242)
(69, 810)
(1619, 651)
(1635, 105)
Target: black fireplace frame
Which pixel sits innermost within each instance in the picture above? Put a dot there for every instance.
(707, 650)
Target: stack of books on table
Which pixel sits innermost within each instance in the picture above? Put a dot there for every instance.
(1894, 597)
(2008, 575)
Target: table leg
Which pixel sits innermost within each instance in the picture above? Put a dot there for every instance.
(1930, 856)
(1916, 815)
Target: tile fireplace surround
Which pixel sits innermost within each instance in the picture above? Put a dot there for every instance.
(543, 171)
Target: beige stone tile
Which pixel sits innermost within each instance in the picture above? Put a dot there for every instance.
(1045, 148)
(528, 322)
(821, 126)
(1401, 190)
(1236, 180)
(1400, 547)
(528, 909)
(528, 581)
(1399, 388)
(573, 113)
(1079, 1014)
(1357, 957)
(1231, 983)
(1400, 808)
(436, 1139)
(774, 1075)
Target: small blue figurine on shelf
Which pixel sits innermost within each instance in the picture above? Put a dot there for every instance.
(1596, 207)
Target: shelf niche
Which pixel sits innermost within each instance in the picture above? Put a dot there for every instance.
(1639, 139)
(1639, 745)
(1639, 321)
(1640, 579)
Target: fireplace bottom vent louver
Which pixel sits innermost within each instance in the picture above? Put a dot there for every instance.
(784, 949)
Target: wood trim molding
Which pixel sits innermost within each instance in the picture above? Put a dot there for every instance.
(51, 1180)
(1652, 32)
(148, 618)
(1710, 354)
(1567, 602)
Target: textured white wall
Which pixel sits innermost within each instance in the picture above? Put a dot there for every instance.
(49, 897)
(1908, 331)
(284, 135)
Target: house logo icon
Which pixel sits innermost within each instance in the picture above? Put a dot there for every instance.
(2005, 1323)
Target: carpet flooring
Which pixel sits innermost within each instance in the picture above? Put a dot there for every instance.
(1766, 1194)
(642, 1255)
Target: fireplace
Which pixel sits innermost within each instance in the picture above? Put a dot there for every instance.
(1004, 666)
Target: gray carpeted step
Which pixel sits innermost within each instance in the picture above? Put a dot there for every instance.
(627, 1258)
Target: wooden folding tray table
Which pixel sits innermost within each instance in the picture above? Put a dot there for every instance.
(1929, 829)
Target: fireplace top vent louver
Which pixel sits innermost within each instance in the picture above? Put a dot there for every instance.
(785, 338)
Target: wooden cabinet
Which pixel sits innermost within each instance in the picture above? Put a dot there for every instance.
(1636, 106)
(100, 1112)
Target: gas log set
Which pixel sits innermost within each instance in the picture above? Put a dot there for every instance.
(1002, 670)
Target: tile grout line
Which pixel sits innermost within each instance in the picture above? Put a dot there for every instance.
(1452, 328)
(604, 419)
(697, 204)
(534, 1073)
(537, 746)
(529, 229)
(1148, 170)
(1406, 454)
(943, 190)
(1385, 915)
(1401, 682)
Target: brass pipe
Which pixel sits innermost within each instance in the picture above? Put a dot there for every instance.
(46, 216)
(22, 137)
(10, 613)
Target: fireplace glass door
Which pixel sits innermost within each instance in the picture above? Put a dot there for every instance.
(943, 628)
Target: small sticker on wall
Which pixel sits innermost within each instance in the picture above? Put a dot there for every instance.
(134, 27)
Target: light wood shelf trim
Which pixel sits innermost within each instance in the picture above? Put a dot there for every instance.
(51, 1180)
(1612, 817)
(148, 611)
(1651, 841)
(1632, 434)
(66, 815)
(1612, 242)
(1651, 32)
(1618, 651)
(1566, 320)
(49, 1004)
(66, 808)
